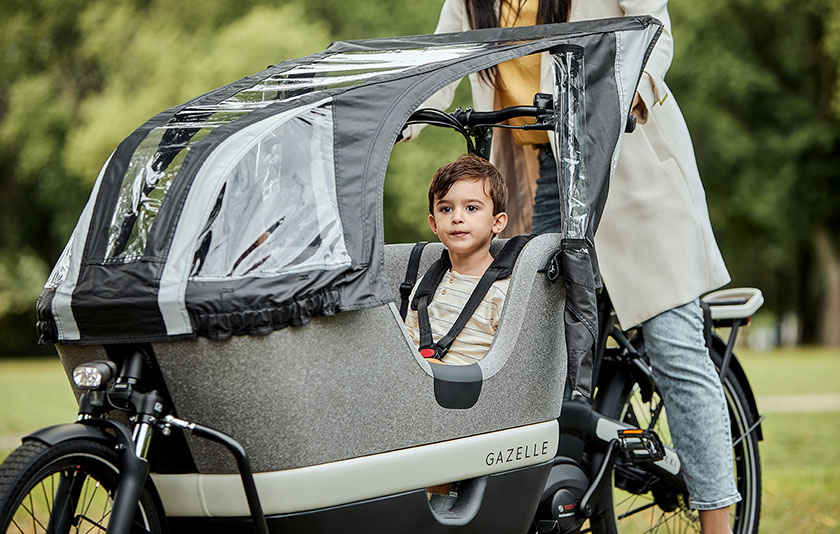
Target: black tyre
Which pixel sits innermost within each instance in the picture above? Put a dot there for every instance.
(641, 503)
(67, 488)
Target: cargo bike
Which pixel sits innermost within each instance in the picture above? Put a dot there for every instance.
(226, 310)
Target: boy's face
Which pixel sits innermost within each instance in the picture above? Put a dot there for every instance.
(463, 219)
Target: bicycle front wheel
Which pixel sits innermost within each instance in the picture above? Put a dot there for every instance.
(640, 502)
(66, 488)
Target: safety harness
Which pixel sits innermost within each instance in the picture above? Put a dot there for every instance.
(502, 267)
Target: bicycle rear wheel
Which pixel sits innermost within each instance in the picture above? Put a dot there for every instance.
(640, 502)
(66, 488)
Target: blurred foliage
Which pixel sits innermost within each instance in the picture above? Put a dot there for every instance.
(757, 83)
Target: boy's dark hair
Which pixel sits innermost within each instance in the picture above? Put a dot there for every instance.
(469, 167)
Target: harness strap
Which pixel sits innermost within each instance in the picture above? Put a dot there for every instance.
(478, 294)
(502, 267)
(424, 294)
(410, 276)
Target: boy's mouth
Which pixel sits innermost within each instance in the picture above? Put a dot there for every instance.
(459, 233)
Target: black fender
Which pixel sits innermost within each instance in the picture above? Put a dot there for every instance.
(736, 372)
(53, 435)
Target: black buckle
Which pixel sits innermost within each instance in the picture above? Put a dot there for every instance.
(405, 289)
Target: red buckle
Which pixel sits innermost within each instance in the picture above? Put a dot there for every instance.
(427, 353)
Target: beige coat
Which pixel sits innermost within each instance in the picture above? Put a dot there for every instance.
(655, 243)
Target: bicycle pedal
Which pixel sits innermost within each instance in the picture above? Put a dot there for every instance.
(640, 446)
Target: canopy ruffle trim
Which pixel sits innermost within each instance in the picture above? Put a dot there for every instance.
(266, 320)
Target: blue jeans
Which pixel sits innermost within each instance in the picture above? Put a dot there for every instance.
(675, 343)
(697, 414)
(546, 217)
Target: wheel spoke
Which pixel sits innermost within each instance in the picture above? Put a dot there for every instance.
(105, 513)
(83, 503)
(92, 496)
(637, 510)
(94, 524)
(44, 492)
(655, 527)
(31, 512)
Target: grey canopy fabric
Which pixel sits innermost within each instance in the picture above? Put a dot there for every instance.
(259, 205)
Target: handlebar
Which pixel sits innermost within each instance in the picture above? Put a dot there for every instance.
(471, 119)
(476, 126)
(470, 122)
(466, 120)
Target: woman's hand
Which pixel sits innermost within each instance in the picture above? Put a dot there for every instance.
(639, 109)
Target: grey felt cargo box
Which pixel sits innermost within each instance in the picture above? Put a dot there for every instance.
(353, 385)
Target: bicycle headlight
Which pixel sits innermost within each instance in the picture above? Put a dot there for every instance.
(92, 375)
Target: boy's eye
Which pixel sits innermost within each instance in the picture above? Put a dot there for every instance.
(445, 209)
(472, 208)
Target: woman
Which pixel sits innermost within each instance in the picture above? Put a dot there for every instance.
(656, 249)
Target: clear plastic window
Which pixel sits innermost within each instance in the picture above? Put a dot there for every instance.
(277, 210)
(570, 129)
(156, 162)
(59, 272)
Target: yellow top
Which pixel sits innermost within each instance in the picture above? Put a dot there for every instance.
(518, 80)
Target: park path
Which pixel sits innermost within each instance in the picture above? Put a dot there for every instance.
(808, 402)
(767, 404)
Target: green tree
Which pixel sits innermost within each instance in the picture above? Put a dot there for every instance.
(758, 83)
(355, 19)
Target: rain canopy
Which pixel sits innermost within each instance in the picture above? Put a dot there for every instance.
(258, 205)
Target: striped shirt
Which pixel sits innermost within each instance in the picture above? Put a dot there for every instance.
(450, 298)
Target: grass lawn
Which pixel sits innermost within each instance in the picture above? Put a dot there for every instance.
(800, 456)
(792, 371)
(34, 393)
(801, 473)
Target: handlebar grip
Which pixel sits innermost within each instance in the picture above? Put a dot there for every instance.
(471, 118)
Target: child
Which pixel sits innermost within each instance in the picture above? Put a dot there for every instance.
(467, 202)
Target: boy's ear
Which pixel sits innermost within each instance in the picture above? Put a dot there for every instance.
(500, 223)
(433, 224)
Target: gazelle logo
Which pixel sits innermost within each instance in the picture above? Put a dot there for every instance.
(516, 454)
